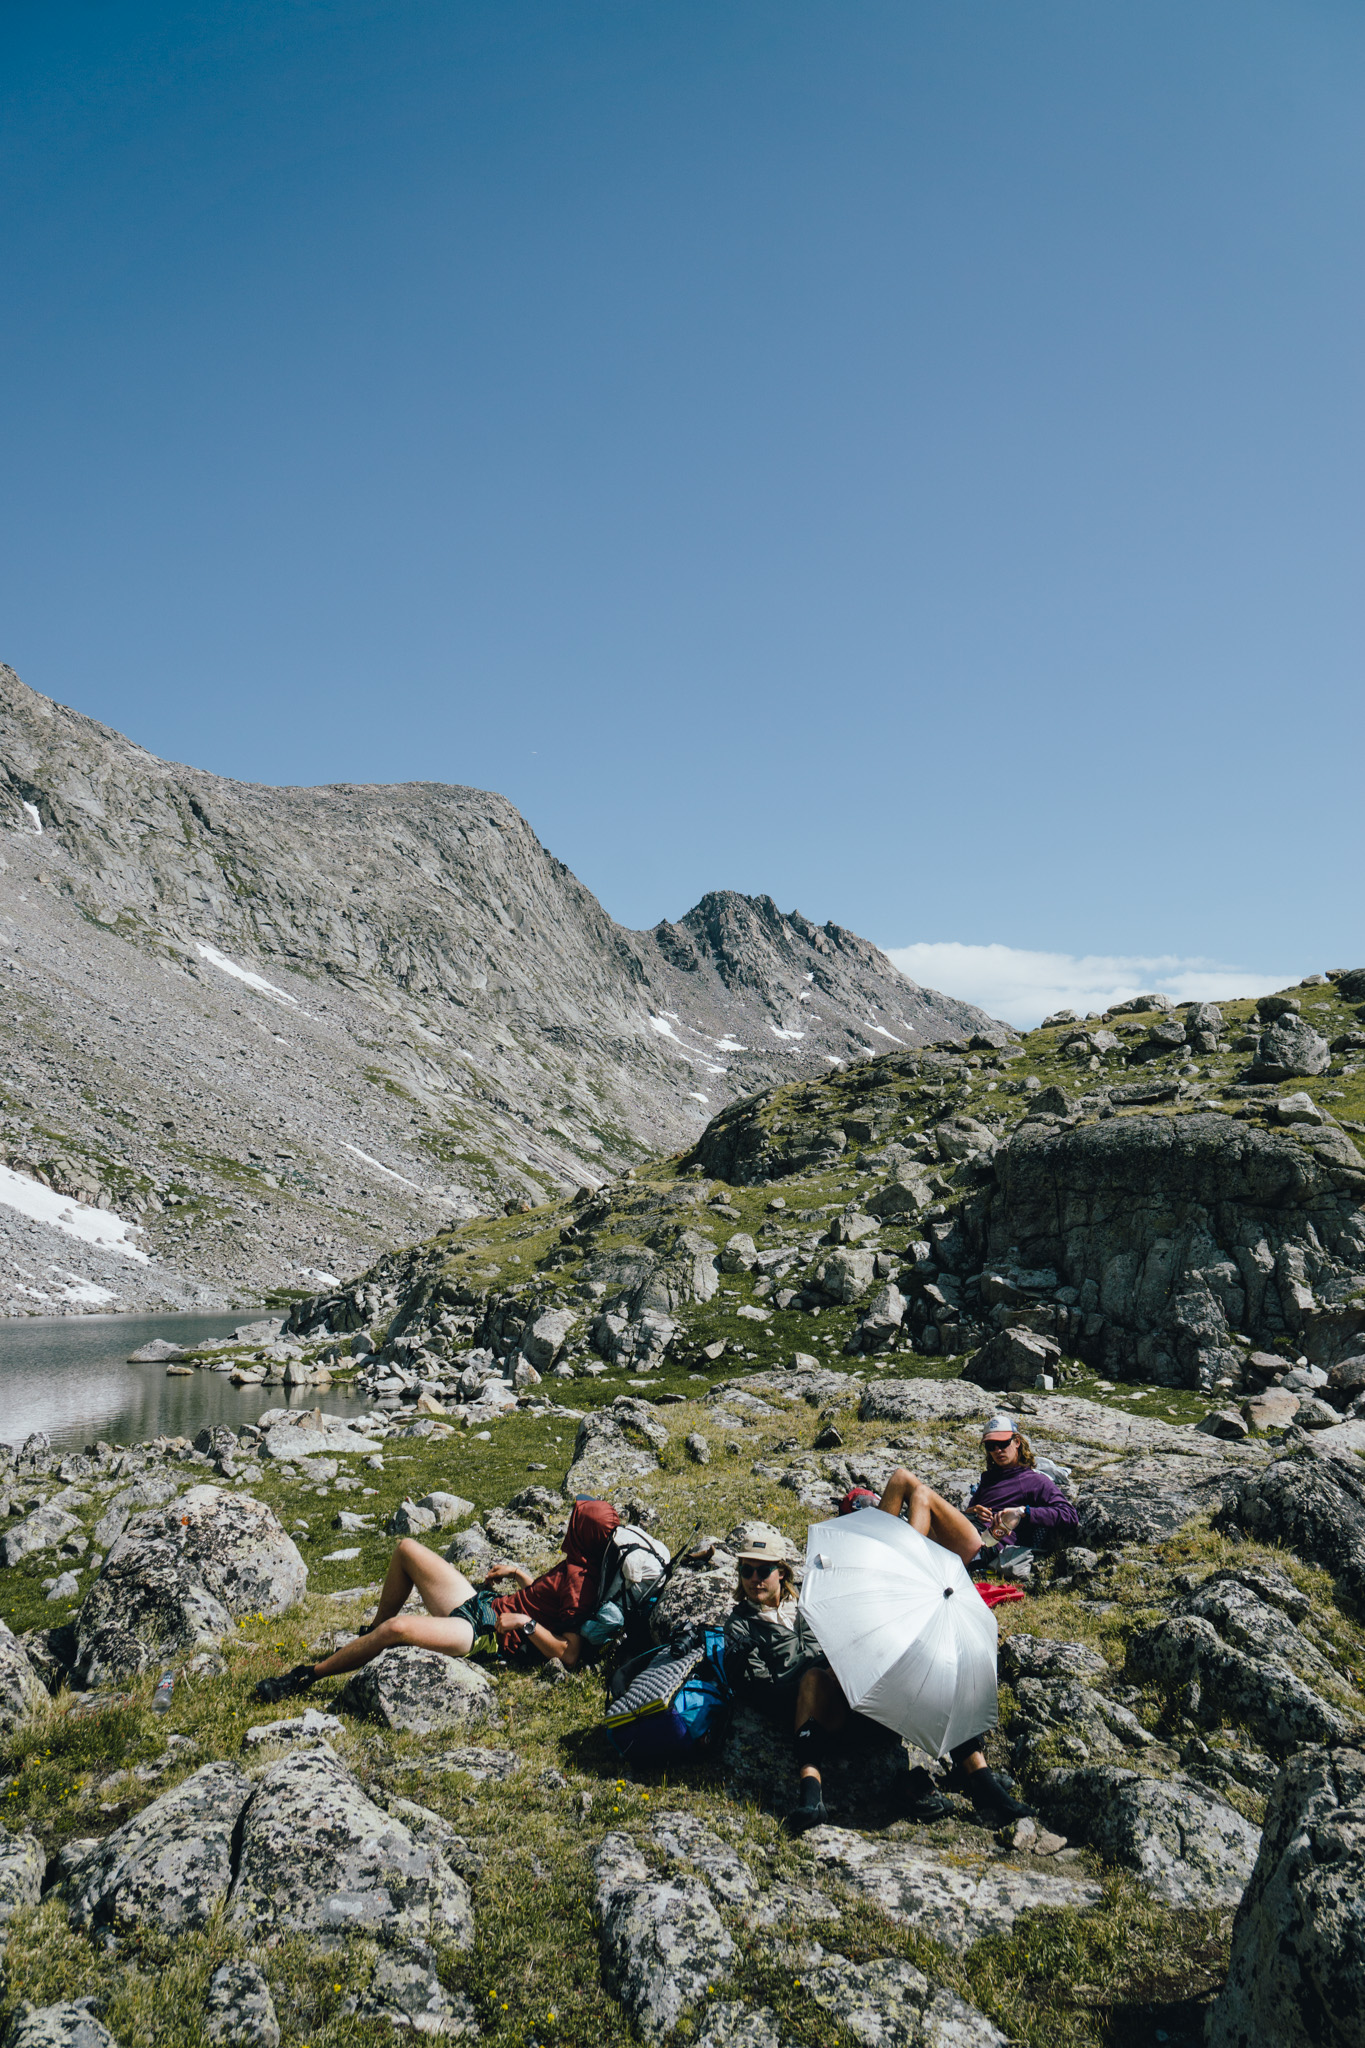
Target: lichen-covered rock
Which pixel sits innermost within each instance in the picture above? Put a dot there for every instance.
(615, 1445)
(179, 1576)
(954, 1899)
(886, 2003)
(924, 1401)
(683, 1840)
(697, 1594)
(1189, 1848)
(1297, 1971)
(1068, 1720)
(406, 1991)
(1236, 1605)
(1225, 1683)
(1029, 1656)
(728, 2024)
(238, 2008)
(22, 1863)
(312, 1725)
(663, 1942)
(420, 1691)
(319, 1857)
(1290, 1047)
(22, 1692)
(43, 1529)
(170, 1866)
(1148, 1500)
(72, 2025)
(1187, 1229)
(1312, 1502)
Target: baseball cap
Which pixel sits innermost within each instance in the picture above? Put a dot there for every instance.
(999, 1425)
(857, 1497)
(761, 1550)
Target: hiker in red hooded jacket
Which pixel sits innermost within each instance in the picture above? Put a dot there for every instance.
(545, 1613)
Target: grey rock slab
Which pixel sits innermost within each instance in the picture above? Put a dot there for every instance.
(682, 1839)
(406, 1991)
(1069, 1719)
(663, 1942)
(71, 2025)
(954, 1899)
(170, 1866)
(728, 2024)
(22, 1692)
(1188, 1848)
(290, 1440)
(238, 2008)
(1296, 1976)
(22, 1863)
(41, 1530)
(479, 1763)
(1314, 1504)
(1230, 1684)
(309, 1726)
(613, 1446)
(319, 1857)
(1028, 1656)
(924, 1401)
(179, 1576)
(1146, 1500)
(1244, 1617)
(420, 1691)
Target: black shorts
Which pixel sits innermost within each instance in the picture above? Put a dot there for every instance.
(478, 1611)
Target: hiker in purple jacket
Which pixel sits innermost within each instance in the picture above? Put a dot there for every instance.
(1012, 1500)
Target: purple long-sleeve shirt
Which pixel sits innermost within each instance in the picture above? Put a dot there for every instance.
(1019, 1487)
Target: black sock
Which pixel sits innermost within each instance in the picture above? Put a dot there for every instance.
(811, 1792)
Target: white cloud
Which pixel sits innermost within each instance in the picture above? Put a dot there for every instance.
(1024, 987)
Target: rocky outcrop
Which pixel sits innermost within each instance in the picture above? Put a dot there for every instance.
(1188, 1848)
(955, 1899)
(22, 1692)
(178, 1577)
(614, 1446)
(238, 2009)
(1297, 1970)
(72, 2025)
(170, 1866)
(318, 1857)
(420, 1692)
(663, 1942)
(1312, 1502)
(1171, 1234)
(1218, 1681)
(22, 1863)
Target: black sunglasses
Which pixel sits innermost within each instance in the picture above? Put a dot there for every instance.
(756, 1571)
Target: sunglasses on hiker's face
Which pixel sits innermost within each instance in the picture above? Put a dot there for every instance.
(757, 1571)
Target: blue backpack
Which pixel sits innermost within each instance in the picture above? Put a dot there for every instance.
(673, 1702)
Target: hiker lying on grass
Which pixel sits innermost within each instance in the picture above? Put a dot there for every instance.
(544, 1614)
(777, 1665)
(1013, 1501)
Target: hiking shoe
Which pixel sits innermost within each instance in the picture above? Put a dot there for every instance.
(994, 1804)
(284, 1685)
(802, 1817)
(920, 1799)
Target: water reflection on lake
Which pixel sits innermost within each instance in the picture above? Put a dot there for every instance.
(70, 1376)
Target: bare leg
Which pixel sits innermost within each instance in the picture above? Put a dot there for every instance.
(930, 1514)
(441, 1589)
(426, 1631)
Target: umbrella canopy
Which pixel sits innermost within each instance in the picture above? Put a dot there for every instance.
(907, 1635)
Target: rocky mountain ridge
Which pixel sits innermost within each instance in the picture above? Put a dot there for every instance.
(272, 1026)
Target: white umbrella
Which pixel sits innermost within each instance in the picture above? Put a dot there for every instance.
(907, 1635)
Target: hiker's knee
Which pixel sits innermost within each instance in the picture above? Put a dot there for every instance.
(573, 1650)
(401, 1629)
(411, 1552)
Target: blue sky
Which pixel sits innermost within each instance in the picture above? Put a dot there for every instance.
(905, 459)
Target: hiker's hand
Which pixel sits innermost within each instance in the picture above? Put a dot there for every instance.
(982, 1515)
(512, 1624)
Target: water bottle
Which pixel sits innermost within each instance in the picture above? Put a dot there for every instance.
(161, 1698)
